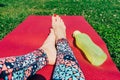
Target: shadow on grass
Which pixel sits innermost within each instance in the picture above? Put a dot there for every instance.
(2, 5)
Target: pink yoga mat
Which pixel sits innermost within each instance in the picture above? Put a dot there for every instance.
(32, 32)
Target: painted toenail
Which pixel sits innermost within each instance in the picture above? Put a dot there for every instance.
(55, 15)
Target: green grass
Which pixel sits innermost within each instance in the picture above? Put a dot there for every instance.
(103, 15)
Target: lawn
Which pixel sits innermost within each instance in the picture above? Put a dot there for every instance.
(103, 15)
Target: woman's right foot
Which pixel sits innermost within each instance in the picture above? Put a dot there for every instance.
(58, 27)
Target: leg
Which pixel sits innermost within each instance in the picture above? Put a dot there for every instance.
(21, 67)
(67, 67)
(49, 47)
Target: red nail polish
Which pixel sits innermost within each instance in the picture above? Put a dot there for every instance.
(55, 15)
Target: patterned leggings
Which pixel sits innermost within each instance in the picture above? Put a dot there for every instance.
(21, 67)
(67, 67)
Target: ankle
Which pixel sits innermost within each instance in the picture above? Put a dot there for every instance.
(51, 57)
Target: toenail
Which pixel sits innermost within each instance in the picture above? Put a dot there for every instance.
(55, 15)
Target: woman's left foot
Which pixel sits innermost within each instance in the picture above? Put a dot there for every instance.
(49, 47)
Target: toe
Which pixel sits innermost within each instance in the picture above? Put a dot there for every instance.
(53, 19)
(58, 18)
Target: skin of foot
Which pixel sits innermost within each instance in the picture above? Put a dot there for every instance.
(49, 47)
(65, 57)
(58, 32)
(59, 27)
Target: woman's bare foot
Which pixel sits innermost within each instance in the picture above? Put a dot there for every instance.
(49, 47)
(59, 27)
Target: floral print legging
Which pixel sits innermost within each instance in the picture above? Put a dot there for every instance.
(21, 67)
